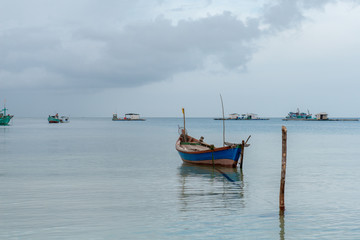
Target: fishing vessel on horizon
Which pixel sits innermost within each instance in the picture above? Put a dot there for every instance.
(5, 119)
(56, 119)
(298, 116)
(323, 116)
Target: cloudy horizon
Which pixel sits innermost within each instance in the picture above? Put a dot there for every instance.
(92, 58)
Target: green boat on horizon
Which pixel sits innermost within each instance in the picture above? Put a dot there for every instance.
(5, 119)
(56, 119)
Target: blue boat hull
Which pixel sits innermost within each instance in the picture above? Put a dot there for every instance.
(225, 156)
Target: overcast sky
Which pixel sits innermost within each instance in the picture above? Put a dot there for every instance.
(153, 57)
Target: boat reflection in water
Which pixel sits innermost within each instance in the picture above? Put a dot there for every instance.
(209, 187)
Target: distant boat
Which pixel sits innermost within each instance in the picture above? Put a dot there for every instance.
(192, 150)
(128, 117)
(299, 116)
(56, 119)
(246, 116)
(323, 116)
(5, 119)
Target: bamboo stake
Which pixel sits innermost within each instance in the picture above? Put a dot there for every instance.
(183, 111)
(242, 153)
(283, 171)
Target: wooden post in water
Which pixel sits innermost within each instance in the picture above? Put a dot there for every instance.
(283, 171)
(242, 153)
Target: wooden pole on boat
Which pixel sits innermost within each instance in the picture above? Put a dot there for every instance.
(283, 171)
(183, 111)
(222, 104)
(242, 153)
(247, 139)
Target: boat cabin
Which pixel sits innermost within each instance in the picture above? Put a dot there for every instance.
(132, 116)
(322, 116)
(233, 116)
(249, 116)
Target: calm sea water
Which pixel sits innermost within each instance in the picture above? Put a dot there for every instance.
(97, 179)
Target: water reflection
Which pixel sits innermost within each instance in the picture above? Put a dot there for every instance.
(4, 128)
(218, 173)
(3, 138)
(282, 226)
(210, 187)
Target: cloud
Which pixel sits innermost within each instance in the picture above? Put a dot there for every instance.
(283, 15)
(132, 56)
(137, 53)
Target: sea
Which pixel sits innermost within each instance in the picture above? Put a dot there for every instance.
(94, 178)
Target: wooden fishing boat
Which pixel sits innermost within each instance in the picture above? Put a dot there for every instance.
(192, 150)
(196, 151)
(5, 119)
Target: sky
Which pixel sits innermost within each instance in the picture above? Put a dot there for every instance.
(92, 58)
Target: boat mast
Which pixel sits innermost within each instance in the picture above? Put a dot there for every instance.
(222, 104)
(4, 107)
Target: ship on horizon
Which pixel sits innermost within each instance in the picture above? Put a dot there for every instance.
(298, 115)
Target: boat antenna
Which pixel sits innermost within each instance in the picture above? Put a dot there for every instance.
(183, 111)
(223, 117)
(4, 107)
